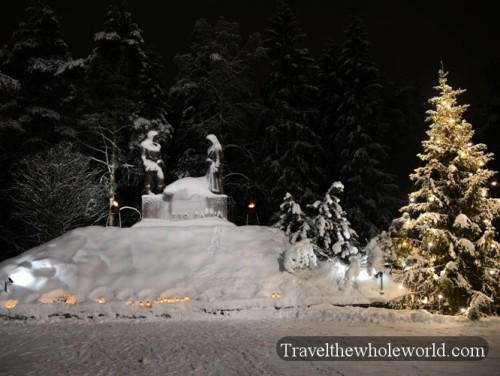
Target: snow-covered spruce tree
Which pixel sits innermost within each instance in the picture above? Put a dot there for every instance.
(369, 191)
(123, 99)
(444, 241)
(213, 94)
(325, 224)
(291, 148)
(292, 220)
(332, 233)
(36, 54)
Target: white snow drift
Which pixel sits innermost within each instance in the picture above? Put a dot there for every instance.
(203, 262)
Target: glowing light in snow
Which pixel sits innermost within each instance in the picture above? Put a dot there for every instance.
(276, 295)
(9, 304)
(100, 300)
(363, 276)
(22, 278)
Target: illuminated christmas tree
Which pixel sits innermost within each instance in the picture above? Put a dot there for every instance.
(443, 244)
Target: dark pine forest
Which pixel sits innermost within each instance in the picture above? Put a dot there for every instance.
(289, 122)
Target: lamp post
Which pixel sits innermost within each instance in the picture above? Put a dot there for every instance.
(381, 275)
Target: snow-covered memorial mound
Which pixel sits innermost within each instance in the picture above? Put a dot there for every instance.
(203, 263)
(184, 252)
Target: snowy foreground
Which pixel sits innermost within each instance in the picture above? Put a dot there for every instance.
(200, 297)
(227, 346)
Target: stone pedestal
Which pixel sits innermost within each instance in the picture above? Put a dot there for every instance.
(186, 198)
(170, 208)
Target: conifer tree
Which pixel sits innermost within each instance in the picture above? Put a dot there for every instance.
(293, 222)
(329, 90)
(444, 241)
(123, 98)
(325, 224)
(37, 52)
(369, 191)
(291, 147)
(333, 235)
(213, 94)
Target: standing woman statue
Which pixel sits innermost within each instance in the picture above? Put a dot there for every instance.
(151, 157)
(214, 161)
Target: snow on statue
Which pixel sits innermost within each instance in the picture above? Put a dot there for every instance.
(151, 157)
(214, 161)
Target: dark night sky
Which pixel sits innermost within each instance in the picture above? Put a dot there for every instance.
(409, 38)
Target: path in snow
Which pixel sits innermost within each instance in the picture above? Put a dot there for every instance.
(229, 347)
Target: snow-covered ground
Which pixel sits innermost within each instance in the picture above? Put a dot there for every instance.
(227, 346)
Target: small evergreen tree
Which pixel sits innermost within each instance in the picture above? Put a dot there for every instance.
(293, 222)
(324, 223)
(333, 235)
(444, 241)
